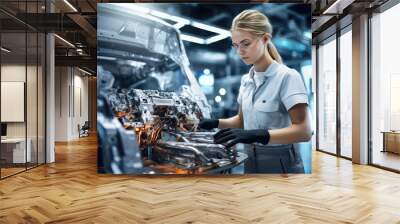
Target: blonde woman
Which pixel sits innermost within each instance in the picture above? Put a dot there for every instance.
(272, 99)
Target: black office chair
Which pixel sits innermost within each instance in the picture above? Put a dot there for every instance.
(84, 130)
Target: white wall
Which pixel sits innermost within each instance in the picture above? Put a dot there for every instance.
(71, 102)
(61, 103)
(33, 126)
(80, 110)
(12, 73)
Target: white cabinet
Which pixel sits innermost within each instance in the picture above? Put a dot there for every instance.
(18, 149)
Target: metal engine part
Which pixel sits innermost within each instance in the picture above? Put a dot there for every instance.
(165, 124)
(191, 155)
(118, 152)
(149, 101)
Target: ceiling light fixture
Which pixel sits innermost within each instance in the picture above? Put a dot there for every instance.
(169, 17)
(86, 72)
(192, 39)
(181, 22)
(5, 50)
(106, 58)
(64, 40)
(337, 7)
(331, 7)
(179, 25)
(70, 5)
(210, 28)
(216, 38)
(133, 7)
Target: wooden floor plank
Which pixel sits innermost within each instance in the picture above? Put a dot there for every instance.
(70, 191)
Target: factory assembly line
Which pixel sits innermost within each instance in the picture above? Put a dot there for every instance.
(149, 102)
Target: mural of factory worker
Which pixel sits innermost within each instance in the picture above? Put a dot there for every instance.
(273, 103)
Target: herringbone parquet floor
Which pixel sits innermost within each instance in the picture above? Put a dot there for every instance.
(70, 191)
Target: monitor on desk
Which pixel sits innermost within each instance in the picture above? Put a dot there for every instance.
(3, 130)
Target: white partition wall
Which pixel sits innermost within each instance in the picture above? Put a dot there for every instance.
(71, 102)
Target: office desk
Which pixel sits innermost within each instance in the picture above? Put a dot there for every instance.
(391, 141)
(15, 148)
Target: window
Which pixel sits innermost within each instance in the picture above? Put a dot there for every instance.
(346, 94)
(385, 89)
(327, 96)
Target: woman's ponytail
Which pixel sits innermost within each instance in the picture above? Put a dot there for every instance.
(274, 52)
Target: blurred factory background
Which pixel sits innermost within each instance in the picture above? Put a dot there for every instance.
(205, 33)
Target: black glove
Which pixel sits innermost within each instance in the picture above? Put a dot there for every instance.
(209, 123)
(241, 136)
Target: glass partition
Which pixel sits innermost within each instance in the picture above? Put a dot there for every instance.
(346, 94)
(327, 96)
(22, 78)
(41, 110)
(13, 94)
(31, 98)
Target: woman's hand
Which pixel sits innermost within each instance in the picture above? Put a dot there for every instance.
(241, 136)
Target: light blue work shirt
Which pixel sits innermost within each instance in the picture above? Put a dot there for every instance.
(266, 97)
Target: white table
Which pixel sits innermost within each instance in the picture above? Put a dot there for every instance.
(18, 145)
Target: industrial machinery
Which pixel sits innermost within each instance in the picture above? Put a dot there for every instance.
(149, 102)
